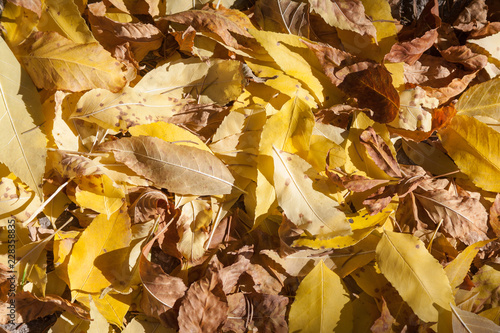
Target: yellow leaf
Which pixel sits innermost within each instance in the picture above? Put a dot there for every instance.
(481, 100)
(65, 18)
(307, 208)
(22, 141)
(218, 81)
(290, 130)
(474, 147)
(487, 46)
(191, 226)
(320, 147)
(99, 193)
(298, 61)
(143, 324)
(170, 133)
(458, 268)
(130, 107)
(113, 307)
(16, 201)
(18, 22)
(362, 224)
(321, 303)
(102, 238)
(98, 323)
(415, 273)
(55, 62)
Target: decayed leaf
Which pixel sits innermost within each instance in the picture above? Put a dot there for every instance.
(473, 17)
(130, 107)
(380, 152)
(283, 16)
(374, 90)
(204, 309)
(417, 276)
(55, 62)
(457, 269)
(148, 206)
(474, 148)
(481, 100)
(142, 37)
(314, 308)
(30, 307)
(464, 218)
(385, 322)
(222, 22)
(411, 51)
(184, 170)
(345, 14)
(307, 208)
(20, 115)
(465, 321)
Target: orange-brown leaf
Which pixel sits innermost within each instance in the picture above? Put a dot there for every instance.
(380, 152)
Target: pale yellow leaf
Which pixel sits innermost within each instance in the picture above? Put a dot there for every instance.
(23, 143)
(415, 273)
(143, 324)
(481, 100)
(488, 46)
(18, 22)
(469, 322)
(98, 323)
(320, 303)
(130, 107)
(474, 147)
(306, 207)
(99, 193)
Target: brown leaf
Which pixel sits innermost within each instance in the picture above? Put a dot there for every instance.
(374, 90)
(6, 280)
(330, 59)
(495, 216)
(55, 62)
(149, 205)
(30, 307)
(204, 309)
(384, 323)
(463, 217)
(285, 16)
(221, 22)
(466, 57)
(355, 183)
(161, 291)
(142, 37)
(180, 169)
(229, 275)
(33, 5)
(489, 29)
(345, 14)
(269, 312)
(380, 152)
(411, 51)
(473, 17)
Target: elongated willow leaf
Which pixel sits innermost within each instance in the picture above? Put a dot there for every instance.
(22, 142)
(180, 169)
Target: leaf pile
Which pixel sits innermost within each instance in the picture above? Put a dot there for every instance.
(237, 166)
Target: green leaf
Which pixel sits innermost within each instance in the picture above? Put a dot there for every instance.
(415, 273)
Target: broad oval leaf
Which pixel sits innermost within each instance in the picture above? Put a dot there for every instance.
(180, 169)
(320, 302)
(55, 62)
(474, 148)
(415, 273)
(23, 143)
(481, 100)
(308, 208)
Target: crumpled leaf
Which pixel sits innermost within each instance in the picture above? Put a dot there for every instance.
(411, 51)
(204, 309)
(20, 115)
(308, 209)
(55, 62)
(345, 14)
(184, 170)
(380, 152)
(314, 310)
(474, 148)
(417, 276)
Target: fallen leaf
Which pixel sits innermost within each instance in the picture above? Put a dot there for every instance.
(472, 145)
(344, 14)
(283, 16)
(481, 100)
(411, 51)
(380, 152)
(33, 5)
(55, 62)
(374, 90)
(185, 170)
(465, 321)
(417, 276)
(385, 322)
(306, 208)
(313, 310)
(20, 115)
(473, 16)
